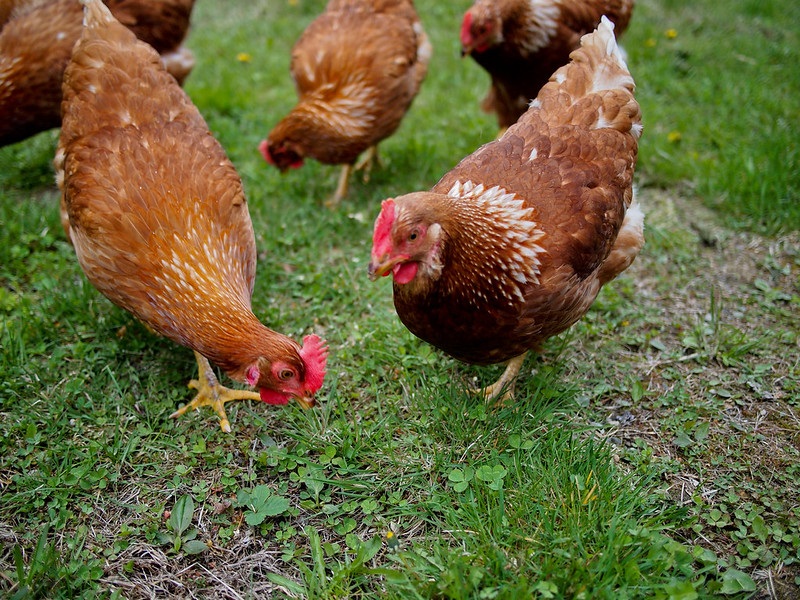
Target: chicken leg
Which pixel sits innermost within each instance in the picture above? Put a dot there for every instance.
(369, 158)
(504, 385)
(211, 393)
(341, 187)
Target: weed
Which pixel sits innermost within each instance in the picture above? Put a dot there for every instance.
(261, 503)
(181, 536)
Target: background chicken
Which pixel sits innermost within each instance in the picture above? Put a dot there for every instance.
(357, 68)
(521, 43)
(512, 245)
(159, 221)
(37, 39)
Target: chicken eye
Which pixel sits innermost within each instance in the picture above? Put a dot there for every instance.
(285, 374)
(413, 235)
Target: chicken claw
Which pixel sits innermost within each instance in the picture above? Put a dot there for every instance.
(211, 393)
(502, 390)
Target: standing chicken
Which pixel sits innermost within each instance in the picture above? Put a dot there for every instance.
(521, 43)
(512, 245)
(35, 46)
(357, 68)
(159, 221)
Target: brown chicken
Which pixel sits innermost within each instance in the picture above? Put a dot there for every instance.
(158, 218)
(512, 245)
(357, 68)
(520, 43)
(35, 46)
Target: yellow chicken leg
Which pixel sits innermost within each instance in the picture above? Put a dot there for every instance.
(341, 188)
(211, 393)
(504, 385)
(369, 158)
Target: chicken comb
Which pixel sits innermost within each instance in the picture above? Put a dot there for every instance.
(382, 234)
(466, 29)
(315, 356)
(263, 147)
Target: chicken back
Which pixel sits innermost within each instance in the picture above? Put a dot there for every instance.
(512, 245)
(158, 218)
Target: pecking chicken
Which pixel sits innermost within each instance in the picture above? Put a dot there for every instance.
(512, 245)
(357, 68)
(159, 221)
(35, 46)
(520, 43)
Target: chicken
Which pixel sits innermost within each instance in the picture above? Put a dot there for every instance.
(512, 246)
(521, 42)
(35, 46)
(159, 222)
(357, 68)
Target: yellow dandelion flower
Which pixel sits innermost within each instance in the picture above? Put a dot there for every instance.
(293, 2)
(671, 34)
(244, 57)
(391, 540)
(650, 43)
(673, 137)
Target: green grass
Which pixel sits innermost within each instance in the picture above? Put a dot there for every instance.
(651, 453)
(720, 105)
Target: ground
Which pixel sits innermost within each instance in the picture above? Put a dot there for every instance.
(712, 383)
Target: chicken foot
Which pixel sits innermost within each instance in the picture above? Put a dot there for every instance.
(211, 393)
(504, 385)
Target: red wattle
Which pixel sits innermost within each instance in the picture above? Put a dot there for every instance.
(273, 397)
(405, 272)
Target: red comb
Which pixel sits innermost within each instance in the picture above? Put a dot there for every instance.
(382, 234)
(466, 25)
(315, 355)
(263, 147)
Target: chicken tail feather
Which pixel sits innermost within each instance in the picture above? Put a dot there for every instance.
(603, 53)
(596, 84)
(96, 13)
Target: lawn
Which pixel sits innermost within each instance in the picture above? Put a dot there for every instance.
(652, 451)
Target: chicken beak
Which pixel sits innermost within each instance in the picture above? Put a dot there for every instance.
(306, 401)
(384, 265)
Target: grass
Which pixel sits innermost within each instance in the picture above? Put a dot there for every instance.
(718, 96)
(652, 451)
